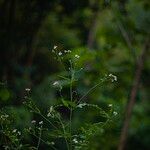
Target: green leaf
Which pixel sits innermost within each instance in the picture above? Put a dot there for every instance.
(69, 104)
(65, 103)
(72, 104)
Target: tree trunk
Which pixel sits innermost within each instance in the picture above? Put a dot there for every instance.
(133, 94)
(92, 32)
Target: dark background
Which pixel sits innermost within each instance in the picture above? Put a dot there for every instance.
(108, 35)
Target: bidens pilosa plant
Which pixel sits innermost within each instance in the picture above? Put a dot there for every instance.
(57, 124)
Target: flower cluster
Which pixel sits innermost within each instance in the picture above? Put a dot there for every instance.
(77, 56)
(56, 83)
(67, 51)
(16, 131)
(41, 122)
(110, 105)
(4, 117)
(55, 117)
(51, 112)
(33, 121)
(113, 77)
(60, 53)
(28, 89)
(81, 105)
(115, 113)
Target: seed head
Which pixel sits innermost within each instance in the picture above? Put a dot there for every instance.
(56, 83)
(14, 131)
(60, 53)
(77, 56)
(33, 121)
(55, 47)
(41, 122)
(113, 77)
(28, 89)
(115, 113)
(110, 105)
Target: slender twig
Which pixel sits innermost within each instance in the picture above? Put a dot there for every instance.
(60, 60)
(48, 121)
(39, 139)
(126, 38)
(89, 91)
(124, 32)
(63, 77)
(134, 90)
(43, 140)
(63, 131)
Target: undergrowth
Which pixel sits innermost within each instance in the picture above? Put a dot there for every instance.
(54, 124)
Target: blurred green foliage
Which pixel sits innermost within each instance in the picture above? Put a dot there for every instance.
(117, 30)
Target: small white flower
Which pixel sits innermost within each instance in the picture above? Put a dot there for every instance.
(75, 140)
(67, 51)
(110, 105)
(33, 121)
(3, 117)
(28, 89)
(19, 133)
(40, 127)
(113, 77)
(50, 115)
(82, 105)
(41, 122)
(77, 56)
(56, 83)
(55, 47)
(60, 53)
(14, 131)
(51, 109)
(50, 112)
(115, 113)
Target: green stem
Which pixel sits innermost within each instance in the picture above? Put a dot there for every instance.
(71, 99)
(39, 139)
(48, 121)
(71, 122)
(43, 140)
(63, 131)
(89, 91)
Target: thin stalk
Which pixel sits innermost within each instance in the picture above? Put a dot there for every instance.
(48, 121)
(43, 140)
(60, 60)
(71, 99)
(39, 140)
(89, 91)
(71, 119)
(63, 131)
